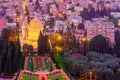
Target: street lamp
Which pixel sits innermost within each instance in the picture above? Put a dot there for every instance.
(84, 39)
(84, 44)
(90, 75)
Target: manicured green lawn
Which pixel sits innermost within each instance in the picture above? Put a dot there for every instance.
(30, 64)
(58, 76)
(35, 65)
(29, 77)
(43, 63)
(46, 64)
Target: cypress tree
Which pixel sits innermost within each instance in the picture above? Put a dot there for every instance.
(8, 65)
(43, 44)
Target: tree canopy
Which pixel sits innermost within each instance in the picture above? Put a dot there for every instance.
(102, 65)
(117, 47)
(99, 44)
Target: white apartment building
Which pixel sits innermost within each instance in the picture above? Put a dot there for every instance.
(107, 29)
(115, 14)
(60, 25)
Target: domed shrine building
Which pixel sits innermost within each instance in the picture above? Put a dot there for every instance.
(30, 33)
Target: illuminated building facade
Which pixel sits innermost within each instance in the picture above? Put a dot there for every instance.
(107, 29)
(30, 33)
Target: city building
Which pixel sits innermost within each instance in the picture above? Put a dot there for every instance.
(107, 29)
(79, 34)
(115, 14)
(60, 25)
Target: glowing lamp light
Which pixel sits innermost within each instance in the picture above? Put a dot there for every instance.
(90, 75)
(47, 26)
(84, 39)
(119, 23)
(90, 72)
(59, 37)
(58, 48)
(60, 15)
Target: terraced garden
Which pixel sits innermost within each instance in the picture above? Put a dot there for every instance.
(41, 68)
(39, 64)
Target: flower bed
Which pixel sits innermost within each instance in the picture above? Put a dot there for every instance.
(48, 64)
(30, 64)
(56, 77)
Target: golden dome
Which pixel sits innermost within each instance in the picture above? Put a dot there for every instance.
(35, 23)
(34, 29)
